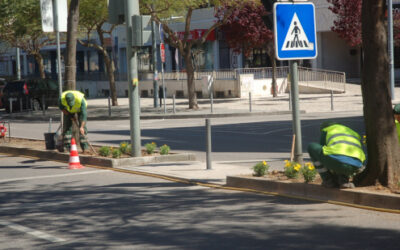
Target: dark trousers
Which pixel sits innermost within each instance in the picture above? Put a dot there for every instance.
(336, 170)
(67, 133)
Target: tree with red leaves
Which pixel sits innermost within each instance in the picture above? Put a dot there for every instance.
(348, 22)
(245, 30)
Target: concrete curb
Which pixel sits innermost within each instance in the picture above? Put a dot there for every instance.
(317, 192)
(98, 161)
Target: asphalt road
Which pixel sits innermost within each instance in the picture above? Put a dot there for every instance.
(233, 139)
(46, 206)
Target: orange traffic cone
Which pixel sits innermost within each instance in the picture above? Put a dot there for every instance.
(73, 156)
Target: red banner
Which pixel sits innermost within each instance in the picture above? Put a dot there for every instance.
(162, 52)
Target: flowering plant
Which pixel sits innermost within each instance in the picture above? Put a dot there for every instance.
(123, 146)
(309, 172)
(150, 147)
(164, 149)
(292, 169)
(260, 168)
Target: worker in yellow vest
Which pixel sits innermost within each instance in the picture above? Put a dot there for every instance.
(396, 112)
(73, 103)
(338, 156)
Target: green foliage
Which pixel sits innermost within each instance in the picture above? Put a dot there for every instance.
(150, 147)
(260, 168)
(116, 153)
(292, 169)
(105, 151)
(309, 172)
(124, 146)
(20, 20)
(164, 149)
(92, 13)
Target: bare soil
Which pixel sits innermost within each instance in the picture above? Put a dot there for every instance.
(280, 176)
(40, 145)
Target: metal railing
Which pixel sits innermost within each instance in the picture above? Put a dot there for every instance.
(326, 79)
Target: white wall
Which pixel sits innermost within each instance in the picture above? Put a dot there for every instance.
(335, 54)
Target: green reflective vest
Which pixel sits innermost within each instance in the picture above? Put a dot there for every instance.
(341, 140)
(78, 101)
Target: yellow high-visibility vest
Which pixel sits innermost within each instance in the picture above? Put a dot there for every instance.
(78, 101)
(341, 140)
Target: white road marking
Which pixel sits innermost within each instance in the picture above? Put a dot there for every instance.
(33, 232)
(52, 176)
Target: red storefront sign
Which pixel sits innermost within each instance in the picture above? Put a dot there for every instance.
(162, 52)
(196, 34)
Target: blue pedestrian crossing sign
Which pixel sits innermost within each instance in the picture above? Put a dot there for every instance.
(294, 30)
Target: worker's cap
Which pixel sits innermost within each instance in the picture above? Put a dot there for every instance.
(396, 109)
(326, 124)
(70, 98)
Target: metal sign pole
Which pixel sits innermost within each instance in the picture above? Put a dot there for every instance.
(132, 8)
(56, 25)
(294, 87)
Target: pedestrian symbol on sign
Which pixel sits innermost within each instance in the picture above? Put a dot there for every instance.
(296, 38)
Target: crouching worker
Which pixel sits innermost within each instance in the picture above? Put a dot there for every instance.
(396, 113)
(339, 155)
(72, 103)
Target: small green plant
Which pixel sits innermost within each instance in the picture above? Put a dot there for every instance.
(123, 146)
(150, 147)
(260, 168)
(116, 153)
(128, 149)
(164, 149)
(309, 172)
(105, 151)
(292, 169)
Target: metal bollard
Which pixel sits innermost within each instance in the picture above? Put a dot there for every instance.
(250, 108)
(50, 121)
(11, 101)
(20, 104)
(109, 106)
(44, 104)
(332, 100)
(208, 135)
(290, 100)
(173, 103)
(212, 101)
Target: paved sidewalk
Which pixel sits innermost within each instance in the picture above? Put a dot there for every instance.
(99, 109)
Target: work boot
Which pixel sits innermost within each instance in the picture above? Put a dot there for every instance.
(329, 183)
(344, 182)
(347, 185)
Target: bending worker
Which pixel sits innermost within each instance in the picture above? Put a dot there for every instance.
(396, 112)
(339, 155)
(72, 103)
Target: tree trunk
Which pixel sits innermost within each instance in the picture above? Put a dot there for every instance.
(190, 80)
(271, 54)
(39, 59)
(111, 78)
(274, 86)
(70, 64)
(383, 146)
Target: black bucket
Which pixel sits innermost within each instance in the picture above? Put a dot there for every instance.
(49, 140)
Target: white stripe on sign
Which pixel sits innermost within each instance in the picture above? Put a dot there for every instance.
(53, 176)
(33, 232)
